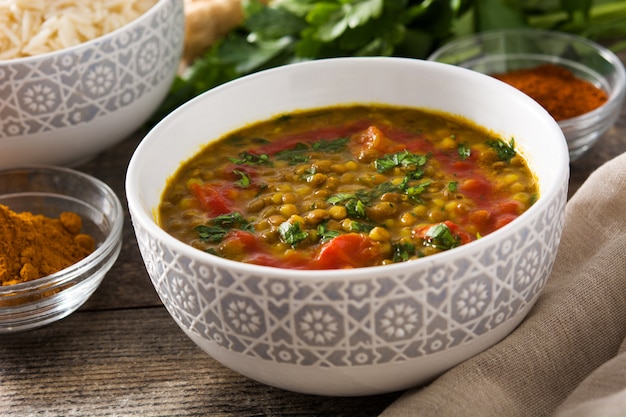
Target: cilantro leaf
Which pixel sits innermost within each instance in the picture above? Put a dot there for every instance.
(276, 33)
(210, 233)
(441, 237)
(505, 151)
(399, 159)
(360, 227)
(354, 205)
(464, 151)
(244, 179)
(291, 234)
(325, 234)
(216, 228)
(403, 251)
(247, 158)
(415, 191)
(295, 155)
(331, 146)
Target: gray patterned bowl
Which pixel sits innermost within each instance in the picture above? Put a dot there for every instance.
(64, 107)
(368, 330)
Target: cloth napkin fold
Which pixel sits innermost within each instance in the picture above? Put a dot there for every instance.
(568, 357)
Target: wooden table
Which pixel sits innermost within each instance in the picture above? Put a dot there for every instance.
(121, 354)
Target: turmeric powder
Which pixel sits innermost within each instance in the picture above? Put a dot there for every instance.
(33, 246)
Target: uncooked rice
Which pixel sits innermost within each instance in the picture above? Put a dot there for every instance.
(33, 27)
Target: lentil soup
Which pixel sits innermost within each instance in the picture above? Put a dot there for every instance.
(347, 187)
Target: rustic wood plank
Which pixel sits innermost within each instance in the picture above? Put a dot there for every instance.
(138, 363)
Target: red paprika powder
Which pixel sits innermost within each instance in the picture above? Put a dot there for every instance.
(557, 89)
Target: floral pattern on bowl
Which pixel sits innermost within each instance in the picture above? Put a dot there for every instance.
(372, 320)
(358, 331)
(124, 73)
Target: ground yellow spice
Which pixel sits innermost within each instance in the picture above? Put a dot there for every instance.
(33, 246)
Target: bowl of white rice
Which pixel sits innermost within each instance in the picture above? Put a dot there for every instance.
(78, 76)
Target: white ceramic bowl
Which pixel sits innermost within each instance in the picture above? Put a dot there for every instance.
(366, 330)
(63, 107)
(50, 191)
(500, 51)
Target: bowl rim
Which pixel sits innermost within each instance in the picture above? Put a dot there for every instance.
(89, 43)
(615, 96)
(142, 219)
(70, 273)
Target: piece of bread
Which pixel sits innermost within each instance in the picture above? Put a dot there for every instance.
(206, 21)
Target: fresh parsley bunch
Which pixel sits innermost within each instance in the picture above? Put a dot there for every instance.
(288, 31)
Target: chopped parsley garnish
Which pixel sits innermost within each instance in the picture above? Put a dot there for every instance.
(360, 227)
(353, 204)
(291, 234)
(325, 234)
(414, 191)
(403, 251)
(244, 179)
(331, 146)
(441, 237)
(300, 152)
(296, 155)
(216, 229)
(210, 233)
(308, 174)
(505, 151)
(399, 159)
(247, 158)
(453, 186)
(464, 151)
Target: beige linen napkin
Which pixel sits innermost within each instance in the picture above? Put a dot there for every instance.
(565, 358)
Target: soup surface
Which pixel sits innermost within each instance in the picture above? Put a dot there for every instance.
(347, 187)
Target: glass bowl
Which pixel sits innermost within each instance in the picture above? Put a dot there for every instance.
(50, 191)
(501, 51)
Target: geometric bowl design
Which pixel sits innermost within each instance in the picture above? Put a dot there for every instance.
(359, 331)
(126, 70)
(366, 321)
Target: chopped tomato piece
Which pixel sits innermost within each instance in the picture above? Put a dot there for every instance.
(373, 143)
(504, 219)
(475, 187)
(352, 250)
(212, 199)
(509, 207)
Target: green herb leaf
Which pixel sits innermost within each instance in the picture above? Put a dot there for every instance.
(325, 234)
(291, 234)
(331, 146)
(216, 229)
(354, 206)
(414, 191)
(505, 151)
(400, 159)
(247, 158)
(453, 186)
(297, 155)
(244, 179)
(360, 227)
(403, 251)
(210, 233)
(287, 31)
(464, 151)
(441, 237)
